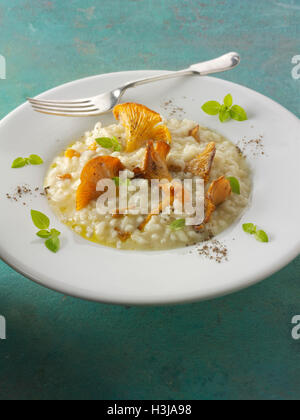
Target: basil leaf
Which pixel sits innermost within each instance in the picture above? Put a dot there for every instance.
(118, 182)
(238, 113)
(32, 160)
(228, 100)
(235, 185)
(225, 111)
(109, 143)
(116, 145)
(261, 236)
(211, 108)
(178, 224)
(44, 234)
(40, 220)
(249, 228)
(55, 233)
(35, 160)
(224, 114)
(53, 244)
(105, 142)
(18, 163)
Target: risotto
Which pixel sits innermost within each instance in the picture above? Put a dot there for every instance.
(188, 140)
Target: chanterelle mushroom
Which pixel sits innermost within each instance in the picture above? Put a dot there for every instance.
(155, 163)
(141, 124)
(96, 169)
(219, 191)
(194, 132)
(155, 167)
(201, 165)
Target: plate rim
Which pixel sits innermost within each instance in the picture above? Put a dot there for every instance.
(76, 292)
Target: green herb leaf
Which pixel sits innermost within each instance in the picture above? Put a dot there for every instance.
(238, 113)
(40, 220)
(19, 163)
(225, 111)
(228, 101)
(211, 108)
(224, 114)
(249, 228)
(109, 143)
(53, 244)
(35, 160)
(261, 236)
(105, 142)
(116, 144)
(118, 182)
(235, 185)
(44, 234)
(178, 224)
(32, 160)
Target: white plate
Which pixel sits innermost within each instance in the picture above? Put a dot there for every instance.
(90, 271)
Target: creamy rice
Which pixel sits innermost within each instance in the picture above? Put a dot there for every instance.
(157, 235)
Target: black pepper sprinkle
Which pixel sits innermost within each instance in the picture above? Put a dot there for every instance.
(24, 191)
(173, 109)
(252, 147)
(214, 251)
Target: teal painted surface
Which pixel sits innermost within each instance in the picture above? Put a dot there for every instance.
(237, 347)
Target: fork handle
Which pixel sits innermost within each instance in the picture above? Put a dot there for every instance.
(223, 63)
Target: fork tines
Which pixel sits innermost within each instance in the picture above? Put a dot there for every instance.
(84, 107)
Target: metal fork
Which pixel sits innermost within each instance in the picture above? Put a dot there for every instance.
(105, 102)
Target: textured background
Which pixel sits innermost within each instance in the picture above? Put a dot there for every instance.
(237, 347)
